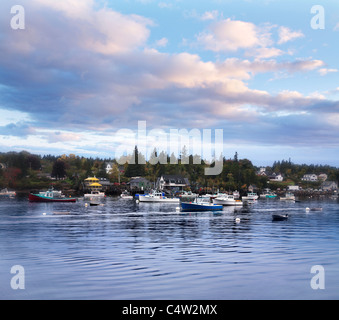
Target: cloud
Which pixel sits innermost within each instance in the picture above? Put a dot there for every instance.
(19, 129)
(286, 35)
(162, 42)
(90, 69)
(58, 136)
(325, 71)
(210, 15)
(232, 35)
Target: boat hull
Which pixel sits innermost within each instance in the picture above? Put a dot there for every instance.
(185, 206)
(39, 198)
(279, 217)
(158, 200)
(228, 202)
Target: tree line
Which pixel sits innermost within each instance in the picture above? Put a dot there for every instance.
(25, 170)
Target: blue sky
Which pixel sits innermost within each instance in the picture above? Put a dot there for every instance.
(82, 70)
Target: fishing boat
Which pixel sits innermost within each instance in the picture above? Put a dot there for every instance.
(126, 195)
(250, 196)
(157, 197)
(6, 193)
(50, 196)
(94, 195)
(288, 197)
(268, 194)
(200, 204)
(227, 200)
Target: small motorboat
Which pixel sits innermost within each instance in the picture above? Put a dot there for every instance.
(251, 196)
(157, 197)
(94, 195)
(288, 197)
(200, 204)
(5, 192)
(227, 200)
(279, 217)
(126, 195)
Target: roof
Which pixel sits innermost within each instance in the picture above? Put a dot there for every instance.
(94, 178)
(95, 185)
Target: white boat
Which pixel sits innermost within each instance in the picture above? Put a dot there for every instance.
(288, 197)
(236, 194)
(5, 192)
(157, 197)
(227, 200)
(126, 195)
(250, 197)
(94, 195)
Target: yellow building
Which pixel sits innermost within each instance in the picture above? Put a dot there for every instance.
(93, 184)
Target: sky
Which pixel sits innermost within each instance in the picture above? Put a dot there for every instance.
(80, 71)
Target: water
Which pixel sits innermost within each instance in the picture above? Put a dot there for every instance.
(127, 251)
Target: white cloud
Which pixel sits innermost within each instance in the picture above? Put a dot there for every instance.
(286, 35)
(325, 71)
(231, 35)
(210, 15)
(162, 42)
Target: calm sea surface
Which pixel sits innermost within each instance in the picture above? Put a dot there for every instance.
(123, 250)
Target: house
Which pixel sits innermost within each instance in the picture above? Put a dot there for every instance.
(329, 186)
(262, 172)
(109, 167)
(293, 188)
(172, 182)
(140, 183)
(310, 177)
(105, 184)
(322, 177)
(276, 177)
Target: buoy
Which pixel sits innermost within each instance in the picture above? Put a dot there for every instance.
(86, 204)
(137, 201)
(307, 209)
(44, 213)
(177, 209)
(237, 220)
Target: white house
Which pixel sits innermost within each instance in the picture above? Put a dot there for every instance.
(109, 167)
(293, 188)
(276, 177)
(310, 177)
(172, 182)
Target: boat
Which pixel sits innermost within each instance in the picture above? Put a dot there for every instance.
(187, 196)
(288, 197)
(50, 196)
(200, 204)
(250, 196)
(279, 217)
(157, 197)
(94, 195)
(236, 194)
(268, 194)
(126, 195)
(227, 200)
(6, 193)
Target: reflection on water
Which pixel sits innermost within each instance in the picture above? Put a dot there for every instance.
(124, 250)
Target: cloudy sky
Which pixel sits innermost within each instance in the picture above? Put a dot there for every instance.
(83, 69)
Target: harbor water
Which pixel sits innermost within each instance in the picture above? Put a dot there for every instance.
(123, 250)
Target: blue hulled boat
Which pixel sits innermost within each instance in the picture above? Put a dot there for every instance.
(200, 204)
